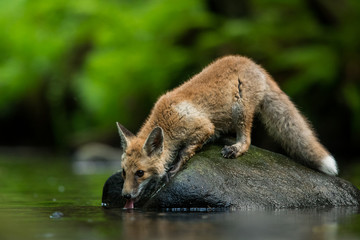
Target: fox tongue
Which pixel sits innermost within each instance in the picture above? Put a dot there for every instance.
(129, 204)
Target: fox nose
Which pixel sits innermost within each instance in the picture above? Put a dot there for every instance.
(127, 196)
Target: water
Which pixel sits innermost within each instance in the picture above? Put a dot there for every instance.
(45, 199)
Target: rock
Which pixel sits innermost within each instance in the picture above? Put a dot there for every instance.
(57, 215)
(257, 180)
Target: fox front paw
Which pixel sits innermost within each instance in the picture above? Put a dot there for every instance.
(174, 170)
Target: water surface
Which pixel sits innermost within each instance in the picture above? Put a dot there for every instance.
(45, 199)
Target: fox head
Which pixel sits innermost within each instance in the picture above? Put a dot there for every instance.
(139, 161)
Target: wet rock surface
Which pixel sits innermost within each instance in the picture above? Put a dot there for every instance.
(257, 180)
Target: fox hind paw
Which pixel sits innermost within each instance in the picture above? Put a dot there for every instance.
(229, 152)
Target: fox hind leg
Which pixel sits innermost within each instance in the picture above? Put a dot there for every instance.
(243, 119)
(241, 146)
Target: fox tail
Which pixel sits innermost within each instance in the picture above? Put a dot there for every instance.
(286, 124)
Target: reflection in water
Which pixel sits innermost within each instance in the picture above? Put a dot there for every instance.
(277, 224)
(97, 223)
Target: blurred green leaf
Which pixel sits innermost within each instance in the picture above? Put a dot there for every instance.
(311, 65)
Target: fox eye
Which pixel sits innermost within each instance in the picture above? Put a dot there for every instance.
(139, 173)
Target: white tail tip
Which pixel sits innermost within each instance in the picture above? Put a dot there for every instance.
(328, 165)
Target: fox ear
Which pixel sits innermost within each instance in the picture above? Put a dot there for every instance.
(124, 135)
(154, 142)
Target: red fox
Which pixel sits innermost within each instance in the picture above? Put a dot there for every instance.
(222, 98)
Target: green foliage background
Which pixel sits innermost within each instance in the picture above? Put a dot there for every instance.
(73, 68)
